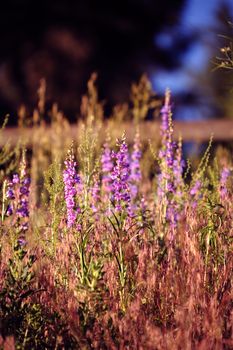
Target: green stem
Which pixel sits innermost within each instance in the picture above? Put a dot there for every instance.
(122, 275)
(3, 199)
(82, 262)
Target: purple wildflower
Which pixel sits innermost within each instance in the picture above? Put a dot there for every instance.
(225, 173)
(9, 210)
(18, 198)
(120, 176)
(178, 167)
(195, 193)
(10, 191)
(22, 242)
(196, 188)
(71, 179)
(173, 215)
(18, 193)
(166, 154)
(23, 210)
(135, 171)
(165, 113)
(170, 181)
(107, 166)
(15, 179)
(95, 195)
(144, 204)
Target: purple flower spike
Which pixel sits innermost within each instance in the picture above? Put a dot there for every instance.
(135, 175)
(9, 210)
(18, 193)
(71, 180)
(95, 195)
(196, 188)
(107, 166)
(166, 154)
(120, 176)
(23, 210)
(10, 192)
(225, 173)
(18, 199)
(170, 181)
(15, 179)
(22, 242)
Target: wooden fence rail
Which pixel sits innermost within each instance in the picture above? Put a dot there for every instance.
(197, 131)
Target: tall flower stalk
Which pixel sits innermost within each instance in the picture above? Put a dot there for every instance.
(166, 159)
(107, 167)
(135, 174)
(225, 173)
(71, 180)
(95, 195)
(170, 182)
(135, 171)
(120, 176)
(121, 202)
(17, 198)
(195, 193)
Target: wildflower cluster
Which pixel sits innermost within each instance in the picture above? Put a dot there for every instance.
(17, 196)
(170, 181)
(120, 175)
(95, 194)
(166, 154)
(71, 180)
(107, 166)
(135, 171)
(225, 173)
(127, 252)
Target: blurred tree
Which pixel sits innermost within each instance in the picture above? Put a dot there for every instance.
(64, 41)
(222, 79)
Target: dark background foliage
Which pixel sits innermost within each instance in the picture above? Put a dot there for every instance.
(65, 41)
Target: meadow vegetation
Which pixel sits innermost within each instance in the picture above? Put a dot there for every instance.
(106, 244)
